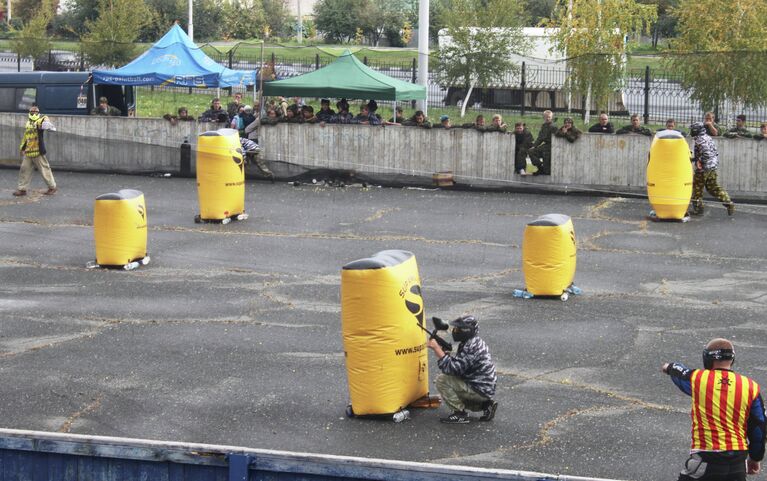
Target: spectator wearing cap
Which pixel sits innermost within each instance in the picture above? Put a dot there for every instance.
(105, 109)
(568, 131)
(326, 113)
(444, 122)
(739, 131)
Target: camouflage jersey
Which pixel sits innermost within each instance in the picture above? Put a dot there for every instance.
(706, 153)
(473, 364)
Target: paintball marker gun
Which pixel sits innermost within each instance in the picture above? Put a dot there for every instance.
(439, 325)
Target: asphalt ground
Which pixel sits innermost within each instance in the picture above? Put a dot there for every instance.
(231, 335)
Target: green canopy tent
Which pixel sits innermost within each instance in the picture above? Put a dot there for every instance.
(348, 78)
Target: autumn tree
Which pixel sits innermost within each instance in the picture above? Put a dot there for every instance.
(480, 36)
(592, 35)
(111, 36)
(722, 51)
(32, 40)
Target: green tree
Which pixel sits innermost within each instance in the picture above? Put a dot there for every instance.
(338, 20)
(72, 21)
(723, 52)
(665, 25)
(244, 19)
(165, 14)
(591, 34)
(482, 34)
(209, 20)
(539, 10)
(276, 16)
(32, 40)
(111, 36)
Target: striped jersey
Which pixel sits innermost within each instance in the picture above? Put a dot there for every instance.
(727, 410)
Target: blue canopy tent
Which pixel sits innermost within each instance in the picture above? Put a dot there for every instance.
(175, 61)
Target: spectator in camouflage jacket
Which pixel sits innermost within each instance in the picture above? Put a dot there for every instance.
(634, 128)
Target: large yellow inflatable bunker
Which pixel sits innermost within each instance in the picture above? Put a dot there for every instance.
(548, 255)
(119, 227)
(669, 175)
(386, 354)
(220, 174)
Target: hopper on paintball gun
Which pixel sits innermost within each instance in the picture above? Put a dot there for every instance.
(439, 325)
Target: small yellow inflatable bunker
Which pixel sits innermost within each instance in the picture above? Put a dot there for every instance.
(669, 175)
(119, 225)
(548, 255)
(386, 354)
(220, 174)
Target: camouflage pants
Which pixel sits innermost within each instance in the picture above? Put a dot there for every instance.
(541, 157)
(458, 395)
(709, 181)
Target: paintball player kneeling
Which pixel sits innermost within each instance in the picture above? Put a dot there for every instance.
(468, 378)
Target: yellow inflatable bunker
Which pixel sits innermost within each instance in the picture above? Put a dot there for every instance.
(119, 225)
(386, 354)
(220, 174)
(548, 255)
(669, 175)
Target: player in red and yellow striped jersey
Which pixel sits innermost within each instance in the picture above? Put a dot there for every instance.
(728, 418)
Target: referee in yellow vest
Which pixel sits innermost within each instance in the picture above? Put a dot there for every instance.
(728, 419)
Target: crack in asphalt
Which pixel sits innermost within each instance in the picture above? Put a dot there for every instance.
(89, 408)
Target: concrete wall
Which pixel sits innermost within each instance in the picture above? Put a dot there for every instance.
(400, 154)
(115, 144)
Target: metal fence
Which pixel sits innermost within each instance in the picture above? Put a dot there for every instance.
(653, 93)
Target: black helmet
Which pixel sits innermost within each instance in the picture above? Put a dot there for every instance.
(697, 128)
(464, 328)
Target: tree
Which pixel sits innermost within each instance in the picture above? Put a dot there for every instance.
(32, 40)
(539, 10)
(276, 16)
(665, 25)
(482, 35)
(591, 34)
(723, 54)
(244, 19)
(72, 21)
(165, 14)
(110, 38)
(338, 20)
(208, 20)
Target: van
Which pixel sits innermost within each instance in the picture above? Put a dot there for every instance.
(61, 93)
